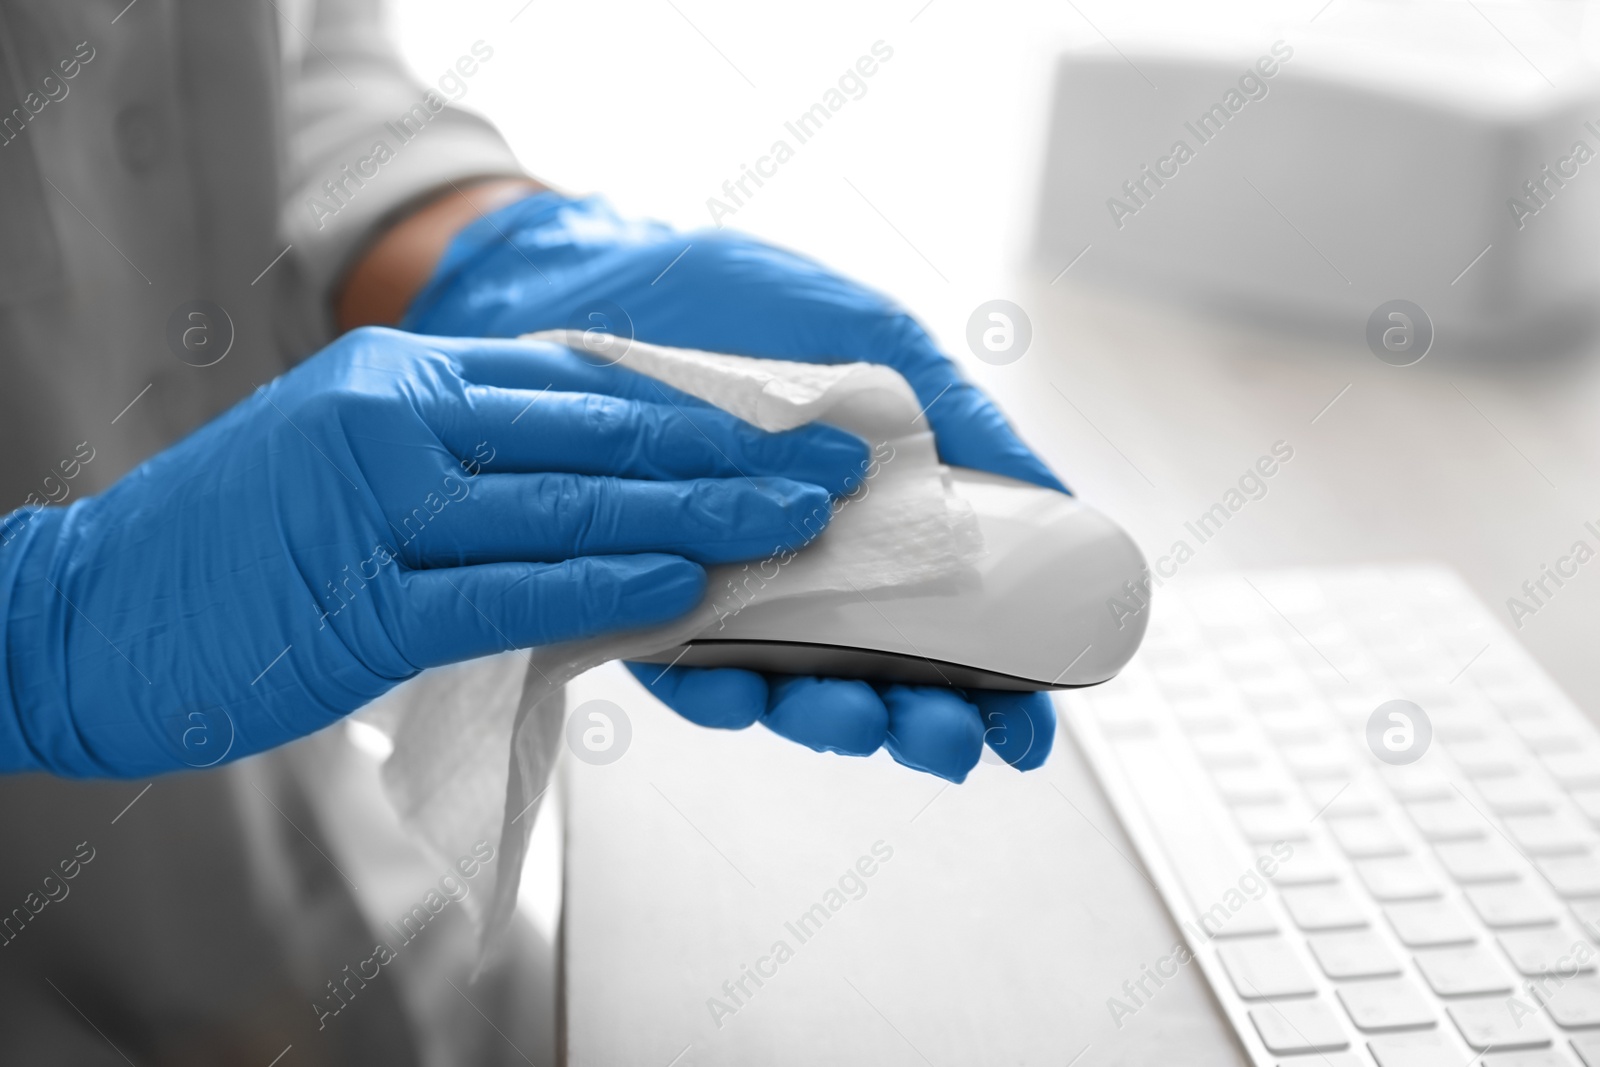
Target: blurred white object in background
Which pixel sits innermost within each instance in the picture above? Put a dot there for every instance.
(1444, 154)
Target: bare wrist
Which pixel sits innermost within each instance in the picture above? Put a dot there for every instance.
(381, 285)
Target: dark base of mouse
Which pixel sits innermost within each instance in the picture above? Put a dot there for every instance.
(838, 661)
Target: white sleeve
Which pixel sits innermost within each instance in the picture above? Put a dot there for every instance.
(364, 138)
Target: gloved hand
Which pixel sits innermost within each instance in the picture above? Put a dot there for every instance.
(393, 503)
(550, 262)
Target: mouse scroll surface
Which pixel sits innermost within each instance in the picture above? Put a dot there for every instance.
(1049, 607)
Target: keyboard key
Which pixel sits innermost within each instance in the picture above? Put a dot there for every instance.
(1460, 729)
(1293, 727)
(1130, 727)
(1546, 835)
(1267, 694)
(1249, 659)
(1516, 795)
(1512, 709)
(1317, 762)
(1245, 643)
(1509, 904)
(1298, 1027)
(1187, 681)
(1446, 820)
(1326, 677)
(1352, 710)
(1442, 705)
(1206, 716)
(1574, 768)
(1187, 676)
(1483, 759)
(1192, 704)
(1327, 1059)
(1322, 907)
(1333, 797)
(1264, 824)
(1490, 1024)
(1396, 878)
(1248, 785)
(1458, 972)
(1124, 713)
(1161, 652)
(1571, 876)
(1471, 862)
(1281, 687)
(1430, 924)
(1546, 733)
(1572, 1003)
(1308, 864)
(1547, 1057)
(1412, 1050)
(1508, 684)
(1418, 781)
(1357, 954)
(1393, 1004)
(1533, 718)
(1225, 750)
(1552, 950)
(1265, 969)
(1251, 920)
(1205, 727)
(1365, 837)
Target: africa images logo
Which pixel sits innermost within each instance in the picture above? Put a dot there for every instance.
(1399, 732)
(204, 735)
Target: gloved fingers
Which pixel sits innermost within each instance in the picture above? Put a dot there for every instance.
(458, 613)
(536, 365)
(1019, 727)
(591, 433)
(551, 517)
(970, 429)
(827, 714)
(929, 728)
(721, 698)
(933, 729)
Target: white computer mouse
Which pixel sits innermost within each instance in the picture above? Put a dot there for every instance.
(1048, 608)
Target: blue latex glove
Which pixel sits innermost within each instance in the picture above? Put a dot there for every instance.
(550, 262)
(393, 503)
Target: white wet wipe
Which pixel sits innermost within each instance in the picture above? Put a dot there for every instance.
(475, 743)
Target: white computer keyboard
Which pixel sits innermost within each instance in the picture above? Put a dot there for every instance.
(1344, 909)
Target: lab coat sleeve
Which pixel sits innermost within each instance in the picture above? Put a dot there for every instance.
(363, 137)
